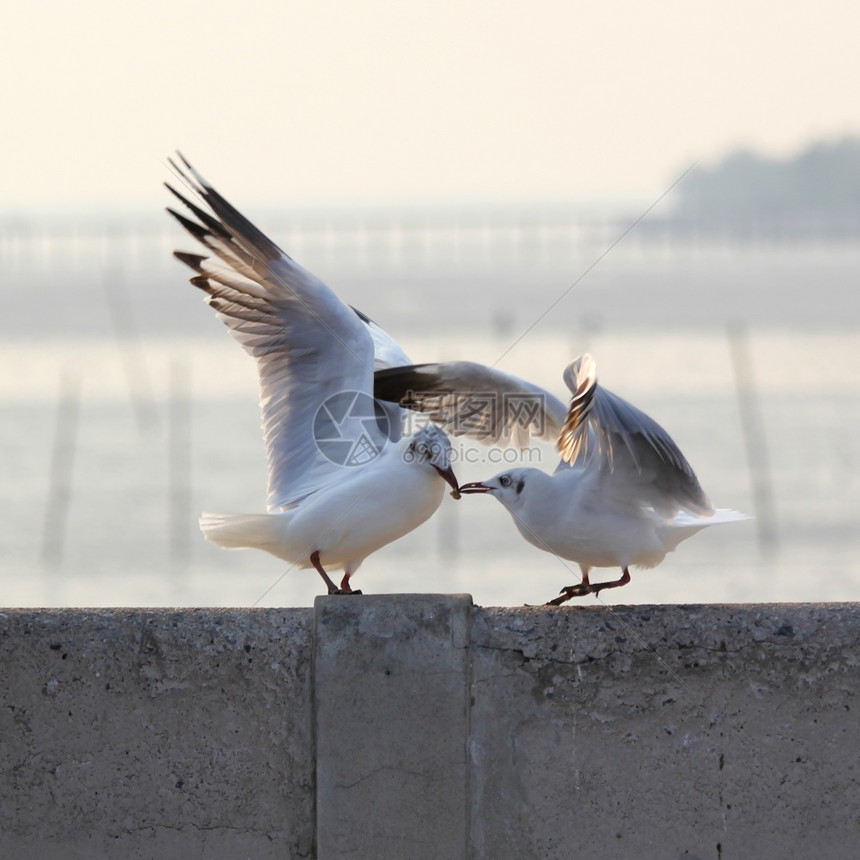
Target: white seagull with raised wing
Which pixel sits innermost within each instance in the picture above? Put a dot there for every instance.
(623, 493)
(343, 482)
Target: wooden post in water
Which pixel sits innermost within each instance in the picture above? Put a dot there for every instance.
(61, 469)
(754, 437)
(130, 350)
(179, 464)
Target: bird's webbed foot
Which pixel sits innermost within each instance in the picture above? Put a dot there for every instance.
(586, 587)
(570, 591)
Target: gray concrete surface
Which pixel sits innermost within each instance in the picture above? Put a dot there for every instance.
(409, 726)
(155, 734)
(666, 732)
(391, 690)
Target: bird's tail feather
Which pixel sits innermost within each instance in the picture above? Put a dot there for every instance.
(241, 531)
(726, 515)
(686, 525)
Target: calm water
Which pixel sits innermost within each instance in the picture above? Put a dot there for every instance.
(159, 419)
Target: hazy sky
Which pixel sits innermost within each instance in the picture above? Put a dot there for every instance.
(294, 103)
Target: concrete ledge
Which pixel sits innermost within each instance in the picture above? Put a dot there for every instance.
(666, 732)
(135, 733)
(421, 726)
(391, 691)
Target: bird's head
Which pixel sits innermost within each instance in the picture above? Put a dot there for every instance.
(507, 487)
(431, 447)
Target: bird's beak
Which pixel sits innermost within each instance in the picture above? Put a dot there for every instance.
(475, 487)
(448, 474)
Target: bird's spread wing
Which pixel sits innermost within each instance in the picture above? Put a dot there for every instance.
(387, 352)
(308, 344)
(632, 450)
(470, 399)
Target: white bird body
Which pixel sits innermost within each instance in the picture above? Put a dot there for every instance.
(564, 513)
(337, 522)
(568, 515)
(332, 498)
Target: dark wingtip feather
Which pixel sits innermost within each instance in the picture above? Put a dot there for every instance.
(214, 225)
(362, 316)
(193, 261)
(174, 192)
(402, 384)
(234, 223)
(196, 230)
(183, 172)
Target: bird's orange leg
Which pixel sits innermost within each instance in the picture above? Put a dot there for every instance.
(344, 585)
(332, 588)
(315, 561)
(586, 587)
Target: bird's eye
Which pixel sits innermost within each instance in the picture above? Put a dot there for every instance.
(505, 481)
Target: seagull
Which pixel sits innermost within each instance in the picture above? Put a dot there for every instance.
(343, 480)
(623, 494)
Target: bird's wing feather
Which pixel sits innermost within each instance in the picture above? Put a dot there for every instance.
(387, 352)
(470, 399)
(308, 345)
(631, 449)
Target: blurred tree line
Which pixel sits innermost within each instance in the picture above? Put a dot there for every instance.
(818, 190)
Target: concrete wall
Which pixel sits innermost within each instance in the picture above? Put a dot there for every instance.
(413, 726)
(156, 734)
